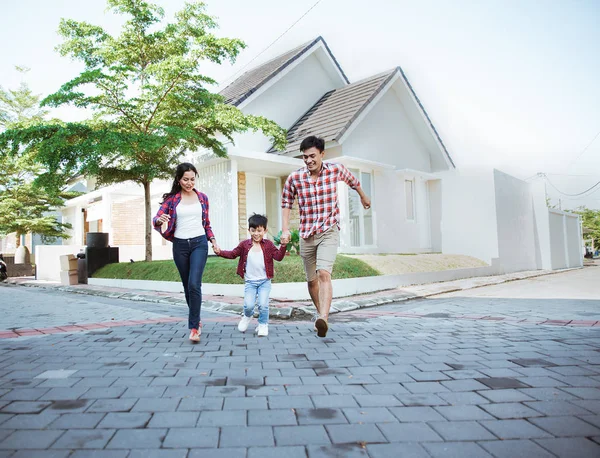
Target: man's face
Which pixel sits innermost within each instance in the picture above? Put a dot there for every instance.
(313, 158)
(257, 233)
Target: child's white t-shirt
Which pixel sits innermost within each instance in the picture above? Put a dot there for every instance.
(255, 266)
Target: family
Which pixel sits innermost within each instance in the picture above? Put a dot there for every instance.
(183, 218)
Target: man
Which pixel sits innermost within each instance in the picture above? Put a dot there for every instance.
(315, 186)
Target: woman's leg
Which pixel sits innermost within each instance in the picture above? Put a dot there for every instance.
(181, 256)
(264, 290)
(198, 256)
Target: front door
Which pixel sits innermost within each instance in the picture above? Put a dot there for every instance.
(263, 196)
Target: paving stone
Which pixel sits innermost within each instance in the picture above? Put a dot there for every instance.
(421, 400)
(320, 416)
(301, 435)
(182, 453)
(456, 450)
(77, 421)
(369, 415)
(408, 432)
(514, 429)
(112, 405)
(377, 400)
(343, 434)
(548, 394)
(25, 407)
(137, 439)
(41, 454)
(84, 439)
(218, 453)
(333, 401)
(463, 398)
(508, 395)
(29, 421)
(104, 454)
(337, 451)
(510, 410)
(459, 413)
(246, 436)
(566, 426)
(281, 417)
(461, 431)
(24, 394)
(156, 405)
(236, 403)
(515, 448)
(225, 391)
(200, 404)
(557, 408)
(173, 420)
(425, 387)
(192, 438)
(290, 402)
(406, 450)
(30, 439)
(277, 452)
(416, 414)
(501, 382)
(571, 447)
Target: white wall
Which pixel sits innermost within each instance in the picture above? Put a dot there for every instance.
(515, 218)
(218, 180)
(386, 135)
(287, 100)
(435, 211)
(469, 223)
(47, 260)
(566, 239)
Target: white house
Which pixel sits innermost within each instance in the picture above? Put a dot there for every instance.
(380, 130)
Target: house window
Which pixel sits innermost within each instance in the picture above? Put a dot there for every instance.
(361, 220)
(409, 190)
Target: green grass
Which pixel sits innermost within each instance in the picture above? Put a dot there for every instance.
(220, 270)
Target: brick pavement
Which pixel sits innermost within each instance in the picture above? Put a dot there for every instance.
(378, 386)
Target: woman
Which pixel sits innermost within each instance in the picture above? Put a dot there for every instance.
(185, 211)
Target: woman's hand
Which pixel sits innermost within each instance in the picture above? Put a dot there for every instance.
(215, 247)
(164, 218)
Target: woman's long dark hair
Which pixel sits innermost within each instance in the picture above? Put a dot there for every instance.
(181, 169)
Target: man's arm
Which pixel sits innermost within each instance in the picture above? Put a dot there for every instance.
(346, 176)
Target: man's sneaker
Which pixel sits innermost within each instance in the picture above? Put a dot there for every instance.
(194, 335)
(263, 330)
(244, 322)
(322, 327)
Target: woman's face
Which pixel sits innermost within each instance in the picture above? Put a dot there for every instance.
(188, 180)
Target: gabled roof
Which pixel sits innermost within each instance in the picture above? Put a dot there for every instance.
(252, 80)
(333, 114)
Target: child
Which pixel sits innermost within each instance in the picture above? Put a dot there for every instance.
(256, 268)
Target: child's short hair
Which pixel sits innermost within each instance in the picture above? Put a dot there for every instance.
(256, 221)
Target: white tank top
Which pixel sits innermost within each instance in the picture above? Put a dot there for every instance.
(189, 220)
(255, 266)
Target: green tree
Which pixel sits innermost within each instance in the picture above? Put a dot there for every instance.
(25, 207)
(590, 220)
(149, 100)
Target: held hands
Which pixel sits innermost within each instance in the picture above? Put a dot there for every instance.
(285, 237)
(216, 248)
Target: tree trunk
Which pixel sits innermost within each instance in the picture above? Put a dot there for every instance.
(18, 241)
(148, 228)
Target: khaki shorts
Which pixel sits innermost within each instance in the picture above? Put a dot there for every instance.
(319, 251)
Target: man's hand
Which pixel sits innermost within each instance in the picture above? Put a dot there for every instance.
(285, 237)
(366, 202)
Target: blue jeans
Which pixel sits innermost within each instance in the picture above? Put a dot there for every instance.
(260, 289)
(190, 258)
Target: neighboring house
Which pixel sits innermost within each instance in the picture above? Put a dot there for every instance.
(377, 127)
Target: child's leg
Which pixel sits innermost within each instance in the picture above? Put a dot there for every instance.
(264, 289)
(250, 292)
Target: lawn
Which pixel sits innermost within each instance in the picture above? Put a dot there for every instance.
(220, 270)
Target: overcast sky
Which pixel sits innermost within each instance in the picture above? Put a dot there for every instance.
(511, 84)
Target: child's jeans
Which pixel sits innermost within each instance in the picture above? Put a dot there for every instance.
(260, 289)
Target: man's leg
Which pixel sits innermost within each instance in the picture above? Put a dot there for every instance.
(313, 290)
(325, 290)
(308, 253)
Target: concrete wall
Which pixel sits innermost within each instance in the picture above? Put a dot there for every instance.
(515, 219)
(469, 223)
(386, 135)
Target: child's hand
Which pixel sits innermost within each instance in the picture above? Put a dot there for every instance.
(216, 249)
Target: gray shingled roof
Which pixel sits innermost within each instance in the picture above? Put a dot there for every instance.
(244, 86)
(333, 114)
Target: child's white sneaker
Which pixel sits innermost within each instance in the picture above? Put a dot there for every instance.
(244, 322)
(263, 330)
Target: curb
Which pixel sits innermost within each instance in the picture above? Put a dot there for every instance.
(307, 310)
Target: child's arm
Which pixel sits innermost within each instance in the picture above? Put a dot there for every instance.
(236, 252)
(279, 254)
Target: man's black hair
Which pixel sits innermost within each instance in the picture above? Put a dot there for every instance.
(312, 142)
(256, 221)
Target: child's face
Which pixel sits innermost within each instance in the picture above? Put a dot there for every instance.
(257, 233)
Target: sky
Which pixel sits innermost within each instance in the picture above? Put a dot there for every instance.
(511, 84)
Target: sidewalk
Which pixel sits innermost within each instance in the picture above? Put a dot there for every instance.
(283, 309)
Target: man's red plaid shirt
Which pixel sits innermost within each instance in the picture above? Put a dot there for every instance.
(317, 200)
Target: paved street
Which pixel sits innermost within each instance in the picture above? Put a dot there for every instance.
(381, 384)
